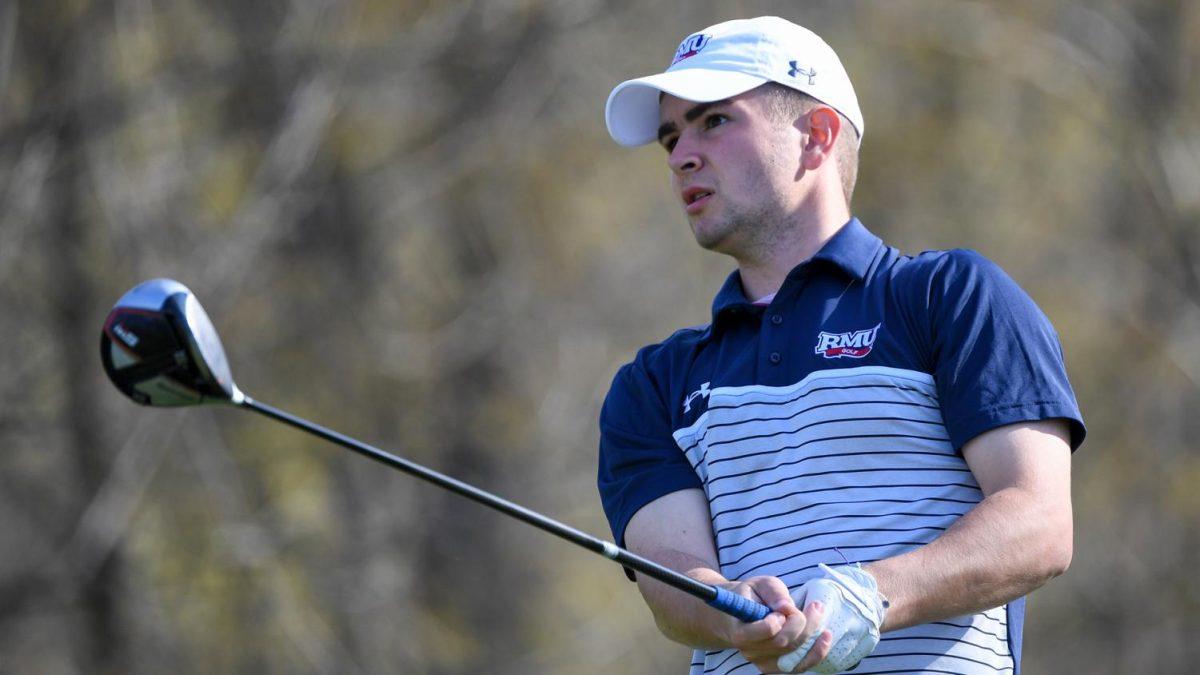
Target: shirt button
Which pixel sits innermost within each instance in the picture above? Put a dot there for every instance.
(776, 319)
(775, 358)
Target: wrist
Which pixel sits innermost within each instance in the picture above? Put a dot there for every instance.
(689, 620)
(720, 625)
(884, 586)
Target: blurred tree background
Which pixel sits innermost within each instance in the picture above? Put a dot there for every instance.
(408, 222)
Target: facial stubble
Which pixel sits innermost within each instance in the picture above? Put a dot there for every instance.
(748, 231)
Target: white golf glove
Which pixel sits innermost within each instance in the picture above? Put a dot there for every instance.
(854, 611)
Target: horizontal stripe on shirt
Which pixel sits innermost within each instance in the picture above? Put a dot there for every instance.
(813, 473)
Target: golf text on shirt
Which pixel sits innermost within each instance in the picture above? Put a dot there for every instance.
(827, 426)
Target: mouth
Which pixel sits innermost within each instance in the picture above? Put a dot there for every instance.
(695, 198)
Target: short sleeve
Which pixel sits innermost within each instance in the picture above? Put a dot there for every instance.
(639, 460)
(997, 360)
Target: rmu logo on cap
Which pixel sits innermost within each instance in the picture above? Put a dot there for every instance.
(855, 344)
(690, 46)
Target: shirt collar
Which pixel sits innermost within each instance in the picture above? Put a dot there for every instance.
(852, 249)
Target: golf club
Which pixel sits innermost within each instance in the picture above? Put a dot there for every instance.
(160, 349)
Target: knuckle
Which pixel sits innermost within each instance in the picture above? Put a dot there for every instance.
(795, 632)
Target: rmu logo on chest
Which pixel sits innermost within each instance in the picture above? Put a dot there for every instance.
(855, 344)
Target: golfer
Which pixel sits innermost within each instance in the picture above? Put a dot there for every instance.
(876, 446)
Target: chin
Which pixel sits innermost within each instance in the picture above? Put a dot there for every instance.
(710, 238)
(711, 241)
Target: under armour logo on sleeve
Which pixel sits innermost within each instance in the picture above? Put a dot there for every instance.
(702, 391)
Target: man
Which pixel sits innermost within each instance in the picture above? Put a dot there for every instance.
(875, 446)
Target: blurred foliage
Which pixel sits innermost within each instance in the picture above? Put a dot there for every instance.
(408, 222)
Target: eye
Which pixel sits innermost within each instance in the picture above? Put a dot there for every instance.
(668, 143)
(715, 120)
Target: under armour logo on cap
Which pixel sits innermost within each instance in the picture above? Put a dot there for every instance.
(811, 73)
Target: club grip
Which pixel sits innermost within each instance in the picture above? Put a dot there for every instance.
(735, 605)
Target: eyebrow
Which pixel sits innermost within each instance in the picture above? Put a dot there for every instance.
(689, 116)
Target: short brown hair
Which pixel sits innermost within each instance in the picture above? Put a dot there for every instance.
(787, 104)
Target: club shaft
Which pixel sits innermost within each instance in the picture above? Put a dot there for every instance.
(710, 594)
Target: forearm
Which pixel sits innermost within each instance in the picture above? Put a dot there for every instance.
(681, 617)
(1008, 545)
(674, 530)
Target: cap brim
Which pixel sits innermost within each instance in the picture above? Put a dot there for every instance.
(632, 109)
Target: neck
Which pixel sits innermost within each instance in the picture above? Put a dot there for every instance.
(763, 270)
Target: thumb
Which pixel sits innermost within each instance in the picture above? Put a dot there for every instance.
(774, 594)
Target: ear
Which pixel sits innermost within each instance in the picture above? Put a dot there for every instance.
(822, 129)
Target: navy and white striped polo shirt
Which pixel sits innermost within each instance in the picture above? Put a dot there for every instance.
(827, 427)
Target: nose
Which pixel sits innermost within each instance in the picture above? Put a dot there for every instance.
(684, 157)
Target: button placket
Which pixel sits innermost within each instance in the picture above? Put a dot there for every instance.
(775, 338)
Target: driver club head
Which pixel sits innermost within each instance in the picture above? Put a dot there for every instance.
(160, 348)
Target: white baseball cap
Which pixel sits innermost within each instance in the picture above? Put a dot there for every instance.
(728, 59)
